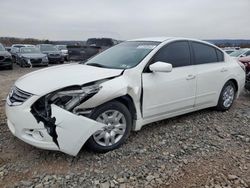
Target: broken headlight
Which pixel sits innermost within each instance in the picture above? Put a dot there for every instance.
(71, 97)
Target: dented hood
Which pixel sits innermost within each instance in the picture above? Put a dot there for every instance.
(50, 79)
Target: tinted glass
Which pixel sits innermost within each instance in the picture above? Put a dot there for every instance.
(204, 53)
(123, 56)
(177, 53)
(220, 55)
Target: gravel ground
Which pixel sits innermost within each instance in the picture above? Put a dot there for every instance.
(201, 149)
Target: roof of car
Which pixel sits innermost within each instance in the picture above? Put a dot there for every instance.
(162, 39)
(155, 39)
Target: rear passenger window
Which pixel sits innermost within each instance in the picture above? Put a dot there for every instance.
(204, 53)
(176, 53)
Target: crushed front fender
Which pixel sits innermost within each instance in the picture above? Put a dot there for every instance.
(73, 130)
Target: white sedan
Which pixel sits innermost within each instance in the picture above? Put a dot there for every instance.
(137, 82)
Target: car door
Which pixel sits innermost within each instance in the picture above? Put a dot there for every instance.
(211, 71)
(169, 92)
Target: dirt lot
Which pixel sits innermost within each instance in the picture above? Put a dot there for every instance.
(201, 149)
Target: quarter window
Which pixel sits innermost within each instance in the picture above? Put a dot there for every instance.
(220, 55)
(176, 53)
(205, 54)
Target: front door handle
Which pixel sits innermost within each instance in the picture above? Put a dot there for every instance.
(223, 69)
(190, 77)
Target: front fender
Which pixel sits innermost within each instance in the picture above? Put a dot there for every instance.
(73, 130)
(112, 89)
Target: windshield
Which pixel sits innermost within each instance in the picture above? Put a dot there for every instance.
(123, 56)
(29, 50)
(48, 47)
(238, 52)
(61, 47)
(2, 48)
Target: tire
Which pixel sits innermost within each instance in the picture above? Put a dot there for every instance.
(120, 110)
(227, 96)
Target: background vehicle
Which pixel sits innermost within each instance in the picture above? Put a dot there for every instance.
(93, 46)
(15, 49)
(121, 89)
(8, 49)
(241, 53)
(246, 61)
(247, 85)
(5, 58)
(229, 51)
(64, 50)
(54, 55)
(31, 56)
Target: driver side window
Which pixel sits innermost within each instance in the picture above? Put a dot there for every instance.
(176, 53)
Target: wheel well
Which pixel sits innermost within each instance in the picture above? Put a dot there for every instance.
(128, 102)
(235, 83)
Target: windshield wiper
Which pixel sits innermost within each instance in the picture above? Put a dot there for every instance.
(96, 65)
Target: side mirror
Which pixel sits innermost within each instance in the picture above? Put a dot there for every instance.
(161, 67)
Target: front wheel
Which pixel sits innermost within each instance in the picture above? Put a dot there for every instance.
(227, 96)
(118, 123)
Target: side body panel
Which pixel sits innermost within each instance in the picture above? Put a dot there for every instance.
(165, 93)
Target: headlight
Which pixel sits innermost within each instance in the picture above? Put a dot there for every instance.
(69, 99)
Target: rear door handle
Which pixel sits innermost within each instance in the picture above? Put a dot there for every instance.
(190, 77)
(223, 69)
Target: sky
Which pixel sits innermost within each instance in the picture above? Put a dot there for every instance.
(125, 19)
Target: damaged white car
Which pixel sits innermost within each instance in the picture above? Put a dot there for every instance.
(98, 103)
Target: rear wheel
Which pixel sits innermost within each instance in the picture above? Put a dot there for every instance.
(118, 123)
(227, 96)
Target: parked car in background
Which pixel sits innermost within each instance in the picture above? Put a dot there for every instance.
(8, 49)
(93, 46)
(121, 89)
(15, 50)
(64, 50)
(241, 53)
(103, 43)
(246, 61)
(229, 51)
(5, 58)
(247, 85)
(54, 55)
(31, 56)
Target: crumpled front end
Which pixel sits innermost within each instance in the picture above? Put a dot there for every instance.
(45, 124)
(60, 120)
